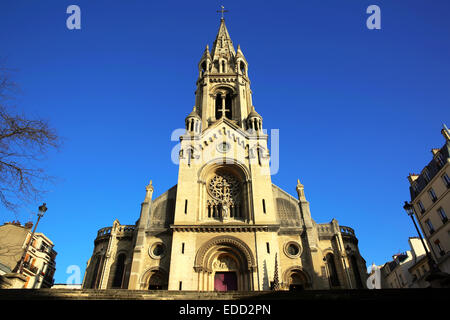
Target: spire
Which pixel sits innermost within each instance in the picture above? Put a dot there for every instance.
(194, 113)
(223, 46)
(239, 53)
(300, 191)
(254, 114)
(445, 132)
(206, 54)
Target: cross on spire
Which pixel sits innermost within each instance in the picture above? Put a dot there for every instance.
(222, 11)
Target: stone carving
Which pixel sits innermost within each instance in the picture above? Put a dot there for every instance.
(225, 211)
(224, 263)
(200, 259)
(225, 187)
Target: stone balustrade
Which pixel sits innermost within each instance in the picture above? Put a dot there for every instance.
(125, 230)
(347, 231)
(327, 230)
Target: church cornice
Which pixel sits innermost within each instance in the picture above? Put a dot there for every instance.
(223, 78)
(226, 228)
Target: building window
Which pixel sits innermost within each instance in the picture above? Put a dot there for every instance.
(354, 263)
(181, 285)
(442, 215)
(264, 205)
(119, 272)
(421, 207)
(292, 249)
(432, 195)
(426, 176)
(185, 206)
(334, 279)
(182, 248)
(440, 160)
(430, 226)
(157, 250)
(437, 243)
(268, 247)
(415, 188)
(446, 180)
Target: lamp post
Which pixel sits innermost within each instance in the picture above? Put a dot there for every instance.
(42, 210)
(431, 263)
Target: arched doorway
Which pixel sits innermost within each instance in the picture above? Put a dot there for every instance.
(296, 279)
(225, 273)
(155, 279)
(225, 263)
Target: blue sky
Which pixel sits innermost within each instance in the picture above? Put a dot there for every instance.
(357, 109)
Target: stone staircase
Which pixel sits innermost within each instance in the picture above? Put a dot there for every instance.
(307, 295)
(123, 294)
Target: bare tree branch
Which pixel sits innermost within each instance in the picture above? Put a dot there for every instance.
(24, 143)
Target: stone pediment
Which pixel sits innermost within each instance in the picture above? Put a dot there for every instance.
(223, 130)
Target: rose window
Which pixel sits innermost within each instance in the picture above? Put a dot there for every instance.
(224, 187)
(225, 192)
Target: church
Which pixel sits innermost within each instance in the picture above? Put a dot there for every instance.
(225, 226)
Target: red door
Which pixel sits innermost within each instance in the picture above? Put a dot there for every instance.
(225, 281)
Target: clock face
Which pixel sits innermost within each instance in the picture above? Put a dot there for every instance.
(223, 147)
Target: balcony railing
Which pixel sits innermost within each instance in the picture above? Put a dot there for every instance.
(30, 267)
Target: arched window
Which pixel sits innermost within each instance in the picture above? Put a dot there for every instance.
(95, 274)
(219, 106)
(221, 100)
(334, 279)
(242, 67)
(228, 105)
(225, 196)
(223, 66)
(355, 268)
(119, 272)
(203, 68)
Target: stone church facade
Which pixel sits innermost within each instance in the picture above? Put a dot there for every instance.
(225, 225)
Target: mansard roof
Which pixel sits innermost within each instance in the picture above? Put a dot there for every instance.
(432, 169)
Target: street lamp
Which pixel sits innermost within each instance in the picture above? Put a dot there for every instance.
(42, 210)
(431, 263)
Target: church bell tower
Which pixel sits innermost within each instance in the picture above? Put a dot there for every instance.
(223, 85)
(224, 188)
